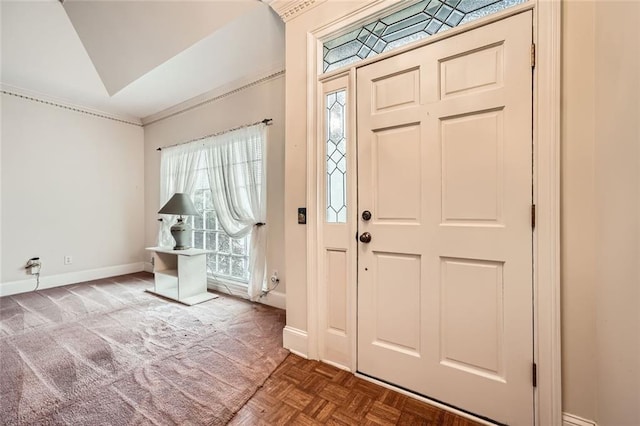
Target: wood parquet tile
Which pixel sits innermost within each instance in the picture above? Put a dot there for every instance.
(303, 392)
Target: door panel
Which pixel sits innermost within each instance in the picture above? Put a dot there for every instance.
(472, 71)
(336, 281)
(397, 325)
(472, 295)
(392, 150)
(444, 165)
(472, 168)
(396, 91)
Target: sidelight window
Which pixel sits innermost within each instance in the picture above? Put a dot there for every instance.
(336, 156)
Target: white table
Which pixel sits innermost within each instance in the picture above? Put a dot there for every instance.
(181, 275)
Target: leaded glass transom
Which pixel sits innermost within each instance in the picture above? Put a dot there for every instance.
(336, 157)
(420, 20)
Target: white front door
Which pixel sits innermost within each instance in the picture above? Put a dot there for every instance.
(445, 168)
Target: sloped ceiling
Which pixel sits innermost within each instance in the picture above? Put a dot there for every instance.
(136, 58)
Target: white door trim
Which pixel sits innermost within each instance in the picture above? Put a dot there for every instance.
(547, 36)
(546, 134)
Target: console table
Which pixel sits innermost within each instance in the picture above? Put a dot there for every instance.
(181, 275)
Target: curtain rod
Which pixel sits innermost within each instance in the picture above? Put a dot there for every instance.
(266, 121)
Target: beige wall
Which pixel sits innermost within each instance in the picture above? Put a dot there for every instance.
(264, 100)
(617, 202)
(600, 201)
(72, 185)
(601, 211)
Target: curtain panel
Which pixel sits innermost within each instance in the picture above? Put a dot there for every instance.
(178, 166)
(236, 171)
(235, 163)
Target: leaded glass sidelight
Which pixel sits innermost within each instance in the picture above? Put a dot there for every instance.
(420, 20)
(336, 156)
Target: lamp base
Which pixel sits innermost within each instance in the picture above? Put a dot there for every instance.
(181, 233)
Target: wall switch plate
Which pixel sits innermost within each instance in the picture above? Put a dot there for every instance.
(68, 260)
(302, 215)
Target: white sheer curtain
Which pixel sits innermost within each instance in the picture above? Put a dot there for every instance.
(236, 171)
(178, 166)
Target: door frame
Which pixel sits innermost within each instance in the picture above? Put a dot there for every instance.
(546, 181)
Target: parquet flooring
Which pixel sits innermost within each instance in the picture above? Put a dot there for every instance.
(303, 392)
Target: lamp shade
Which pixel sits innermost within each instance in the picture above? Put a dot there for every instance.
(179, 204)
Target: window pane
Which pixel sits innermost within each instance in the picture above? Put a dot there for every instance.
(211, 240)
(223, 244)
(412, 23)
(224, 265)
(198, 239)
(212, 264)
(336, 161)
(211, 219)
(238, 246)
(238, 267)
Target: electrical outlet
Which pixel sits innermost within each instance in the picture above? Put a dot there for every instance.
(68, 260)
(33, 266)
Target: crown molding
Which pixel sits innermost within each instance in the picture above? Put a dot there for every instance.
(289, 9)
(216, 94)
(19, 92)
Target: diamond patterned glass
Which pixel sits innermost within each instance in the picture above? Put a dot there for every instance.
(420, 20)
(336, 157)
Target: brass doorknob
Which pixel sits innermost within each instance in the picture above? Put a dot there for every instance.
(365, 237)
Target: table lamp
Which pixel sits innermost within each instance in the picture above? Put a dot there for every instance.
(180, 204)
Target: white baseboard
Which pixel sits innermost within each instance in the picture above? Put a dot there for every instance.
(148, 267)
(23, 286)
(275, 299)
(295, 340)
(571, 420)
(336, 365)
(228, 287)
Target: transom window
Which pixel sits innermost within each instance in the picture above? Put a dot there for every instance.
(420, 20)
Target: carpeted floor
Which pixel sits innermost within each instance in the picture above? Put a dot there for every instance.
(107, 353)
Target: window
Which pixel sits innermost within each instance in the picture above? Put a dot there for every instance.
(224, 174)
(336, 160)
(231, 258)
(420, 20)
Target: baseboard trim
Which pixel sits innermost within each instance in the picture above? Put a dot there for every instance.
(572, 420)
(336, 365)
(23, 286)
(275, 299)
(148, 267)
(295, 340)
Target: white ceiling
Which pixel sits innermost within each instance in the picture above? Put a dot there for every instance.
(136, 58)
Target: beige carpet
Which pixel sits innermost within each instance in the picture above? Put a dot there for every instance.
(107, 353)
